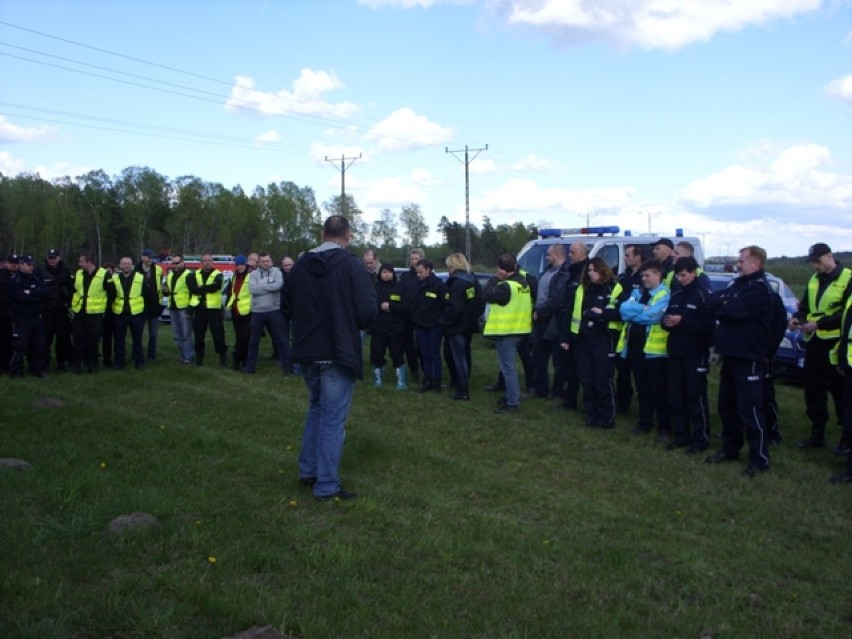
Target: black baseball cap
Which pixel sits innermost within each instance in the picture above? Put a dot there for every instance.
(817, 251)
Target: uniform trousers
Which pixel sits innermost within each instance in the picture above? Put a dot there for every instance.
(242, 335)
(136, 324)
(595, 365)
(821, 378)
(381, 341)
(27, 341)
(650, 376)
(88, 329)
(5, 341)
(740, 409)
(57, 326)
(688, 410)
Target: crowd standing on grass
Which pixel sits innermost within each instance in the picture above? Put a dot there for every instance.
(645, 333)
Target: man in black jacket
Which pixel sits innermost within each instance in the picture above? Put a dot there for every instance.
(331, 299)
(54, 312)
(743, 312)
(26, 292)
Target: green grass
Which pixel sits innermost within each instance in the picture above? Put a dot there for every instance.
(468, 524)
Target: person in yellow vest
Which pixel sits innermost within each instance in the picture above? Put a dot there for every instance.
(643, 342)
(509, 320)
(844, 367)
(177, 290)
(125, 290)
(238, 295)
(818, 317)
(205, 285)
(588, 332)
(153, 296)
(88, 304)
(685, 249)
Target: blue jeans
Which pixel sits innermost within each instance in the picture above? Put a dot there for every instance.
(182, 333)
(272, 321)
(331, 388)
(152, 318)
(507, 347)
(458, 350)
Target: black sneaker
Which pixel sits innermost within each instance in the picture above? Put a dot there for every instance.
(843, 478)
(307, 481)
(842, 450)
(506, 409)
(753, 471)
(810, 442)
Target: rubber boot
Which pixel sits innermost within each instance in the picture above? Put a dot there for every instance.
(377, 377)
(400, 378)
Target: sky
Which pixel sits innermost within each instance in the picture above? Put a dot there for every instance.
(729, 120)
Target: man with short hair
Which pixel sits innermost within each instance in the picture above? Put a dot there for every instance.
(664, 254)
(153, 296)
(578, 258)
(742, 312)
(127, 295)
(372, 264)
(509, 320)
(630, 280)
(205, 285)
(265, 284)
(819, 316)
(546, 313)
(239, 303)
(89, 303)
(330, 298)
(177, 289)
(26, 292)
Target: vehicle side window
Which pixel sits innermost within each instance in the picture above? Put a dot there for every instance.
(533, 261)
(610, 253)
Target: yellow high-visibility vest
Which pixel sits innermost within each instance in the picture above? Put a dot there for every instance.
(828, 304)
(95, 298)
(515, 318)
(134, 296)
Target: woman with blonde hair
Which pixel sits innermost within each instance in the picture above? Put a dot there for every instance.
(458, 322)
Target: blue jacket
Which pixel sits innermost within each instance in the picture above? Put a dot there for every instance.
(643, 314)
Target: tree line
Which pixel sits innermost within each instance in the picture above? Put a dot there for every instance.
(113, 216)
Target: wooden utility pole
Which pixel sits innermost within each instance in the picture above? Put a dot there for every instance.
(467, 161)
(342, 169)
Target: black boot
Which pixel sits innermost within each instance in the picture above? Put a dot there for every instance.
(426, 387)
(462, 393)
(223, 360)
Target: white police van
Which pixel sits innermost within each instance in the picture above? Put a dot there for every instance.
(601, 241)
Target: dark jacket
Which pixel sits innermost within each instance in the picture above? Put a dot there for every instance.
(461, 309)
(410, 284)
(58, 279)
(428, 302)
(26, 293)
(592, 324)
(693, 336)
(330, 297)
(391, 321)
(743, 313)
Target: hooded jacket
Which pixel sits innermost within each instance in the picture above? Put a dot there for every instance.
(330, 297)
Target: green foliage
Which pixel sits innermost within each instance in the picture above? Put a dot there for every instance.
(467, 524)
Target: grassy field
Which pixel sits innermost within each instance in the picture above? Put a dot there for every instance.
(468, 524)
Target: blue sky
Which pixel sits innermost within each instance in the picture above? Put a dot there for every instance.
(731, 122)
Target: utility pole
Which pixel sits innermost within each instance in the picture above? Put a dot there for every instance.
(467, 161)
(342, 169)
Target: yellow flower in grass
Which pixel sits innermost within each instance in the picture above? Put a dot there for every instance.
(211, 559)
(292, 503)
(102, 465)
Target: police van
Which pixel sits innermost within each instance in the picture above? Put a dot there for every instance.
(605, 242)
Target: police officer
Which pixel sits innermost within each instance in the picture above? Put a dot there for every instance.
(629, 280)
(54, 313)
(26, 292)
(126, 292)
(5, 319)
(89, 303)
(206, 303)
(153, 294)
(743, 313)
(819, 316)
(689, 322)
(509, 320)
(843, 359)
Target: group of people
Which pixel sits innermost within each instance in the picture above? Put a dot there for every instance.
(649, 328)
(80, 320)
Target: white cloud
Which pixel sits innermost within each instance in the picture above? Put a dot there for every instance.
(404, 130)
(12, 133)
(305, 98)
(269, 136)
(481, 166)
(649, 24)
(794, 181)
(532, 163)
(527, 199)
(841, 88)
(10, 165)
